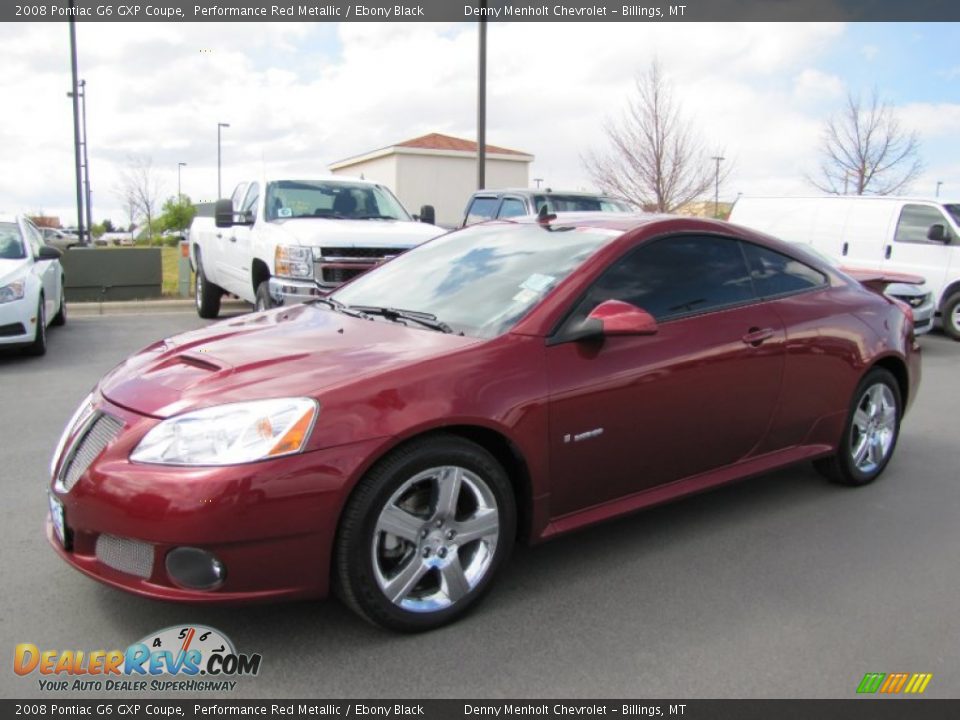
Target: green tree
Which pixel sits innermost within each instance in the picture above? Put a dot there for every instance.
(177, 213)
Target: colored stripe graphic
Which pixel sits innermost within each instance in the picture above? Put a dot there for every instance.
(913, 683)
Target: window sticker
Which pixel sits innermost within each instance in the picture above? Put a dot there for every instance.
(284, 212)
(538, 283)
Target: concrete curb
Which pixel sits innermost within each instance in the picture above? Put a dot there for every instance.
(149, 307)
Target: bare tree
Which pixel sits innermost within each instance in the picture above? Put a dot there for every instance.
(655, 158)
(140, 190)
(865, 150)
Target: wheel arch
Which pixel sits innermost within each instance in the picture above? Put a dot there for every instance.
(898, 368)
(948, 292)
(493, 441)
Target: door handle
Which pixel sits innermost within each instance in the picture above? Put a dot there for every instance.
(233, 238)
(219, 236)
(846, 247)
(756, 336)
(887, 252)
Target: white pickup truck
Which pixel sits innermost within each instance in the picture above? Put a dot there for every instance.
(279, 241)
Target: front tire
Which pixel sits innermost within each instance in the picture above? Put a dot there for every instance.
(60, 318)
(207, 295)
(424, 534)
(263, 299)
(951, 316)
(870, 434)
(39, 344)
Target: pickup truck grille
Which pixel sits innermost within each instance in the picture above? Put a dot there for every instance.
(335, 265)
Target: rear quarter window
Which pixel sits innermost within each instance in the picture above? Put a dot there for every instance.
(776, 274)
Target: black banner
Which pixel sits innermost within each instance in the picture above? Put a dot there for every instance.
(854, 709)
(473, 10)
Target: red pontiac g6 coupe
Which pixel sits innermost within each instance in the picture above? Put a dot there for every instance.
(510, 380)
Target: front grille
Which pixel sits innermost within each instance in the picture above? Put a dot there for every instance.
(88, 447)
(128, 556)
(914, 301)
(12, 330)
(357, 253)
(339, 275)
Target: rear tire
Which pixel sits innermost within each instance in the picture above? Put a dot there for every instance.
(207, 294)
(39, 344)
(951, 316)
(870, 433)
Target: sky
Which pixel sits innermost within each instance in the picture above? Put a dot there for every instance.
(299, 96)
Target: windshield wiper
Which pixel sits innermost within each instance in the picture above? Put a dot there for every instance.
(335, 305)
(394, 314)
(374, 217)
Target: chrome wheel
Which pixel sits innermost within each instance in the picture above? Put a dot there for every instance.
(435, 539)
(955, 318)
(198, 288)
(874, 428)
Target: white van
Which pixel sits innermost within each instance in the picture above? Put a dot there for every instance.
(909, 235)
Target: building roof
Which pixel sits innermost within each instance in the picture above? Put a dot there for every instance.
(438, 141)
(435, 144)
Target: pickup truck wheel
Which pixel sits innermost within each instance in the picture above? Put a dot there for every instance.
(951, 316)
(264, 301)
(207, 294)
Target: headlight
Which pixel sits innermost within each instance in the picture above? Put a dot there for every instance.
(230, 434)
(293, 261)
(85, 408)
(12, 291)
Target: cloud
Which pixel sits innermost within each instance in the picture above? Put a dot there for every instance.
(300, 96)
(870, 52)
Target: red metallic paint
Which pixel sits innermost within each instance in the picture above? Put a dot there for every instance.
(705, 400)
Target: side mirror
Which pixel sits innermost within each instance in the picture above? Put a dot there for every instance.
(223, 213)
(428, 215)
(620, 318)
(613, 317)
(49, 253)
(938, 233)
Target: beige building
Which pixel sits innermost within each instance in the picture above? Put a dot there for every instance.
(437, 170)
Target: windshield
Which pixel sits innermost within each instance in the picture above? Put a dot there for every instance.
(288, 199)
(579, 203)
(954, 211)
(11, 245)
(480, 281)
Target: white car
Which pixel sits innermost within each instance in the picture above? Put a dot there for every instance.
(31, 285)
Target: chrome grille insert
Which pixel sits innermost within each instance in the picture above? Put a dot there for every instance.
(128, 556)
(90, 443)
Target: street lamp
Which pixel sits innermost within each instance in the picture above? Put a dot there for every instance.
(716, 192)
(179, 194)
(538, 181)
(482, 103)
(75, 94)
(939, 183)
(219, 126)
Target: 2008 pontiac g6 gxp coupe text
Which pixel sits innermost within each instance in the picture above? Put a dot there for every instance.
(511, 380)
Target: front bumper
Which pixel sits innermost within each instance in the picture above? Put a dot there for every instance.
(18, 322)
(284, 291)
(921, 303)
(271, 524)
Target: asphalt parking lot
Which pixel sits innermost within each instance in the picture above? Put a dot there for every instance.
(781, 586)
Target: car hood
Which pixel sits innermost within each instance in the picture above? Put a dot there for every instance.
(10, 270)
(301, 351)
(358, 233)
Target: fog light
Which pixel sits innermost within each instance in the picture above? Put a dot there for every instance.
(195, 569)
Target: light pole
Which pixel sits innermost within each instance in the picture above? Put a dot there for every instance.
(716, 187)
(219, 126)
(76, 123)
(179, 194)
(482, 103)
(939, 183)
(86, 156)
(538, 181)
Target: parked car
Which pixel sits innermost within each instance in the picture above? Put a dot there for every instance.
(279, 241)
(31, 285)
(59, 239)
(486, 205)
(896, 234)
(511, 380)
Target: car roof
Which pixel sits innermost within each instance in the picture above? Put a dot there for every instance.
(314, 177)
(541, 191)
